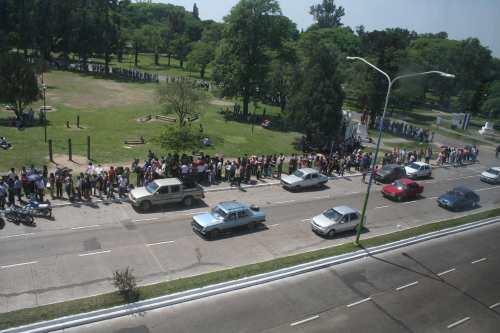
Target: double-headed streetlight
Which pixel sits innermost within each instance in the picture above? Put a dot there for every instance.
(380, 124)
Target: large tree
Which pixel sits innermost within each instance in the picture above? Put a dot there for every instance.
(18, 82)
(243, 58)
(201, 55)
(316, 102)
(327, 14)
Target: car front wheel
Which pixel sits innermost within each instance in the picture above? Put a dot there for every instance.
(145, 206)
(331, 233)
(213, 234)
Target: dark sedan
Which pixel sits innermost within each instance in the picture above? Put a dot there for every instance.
(389, 173)
(459, 198)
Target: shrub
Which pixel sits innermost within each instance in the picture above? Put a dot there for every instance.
(126, 283)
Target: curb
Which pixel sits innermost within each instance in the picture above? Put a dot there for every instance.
(225, 287)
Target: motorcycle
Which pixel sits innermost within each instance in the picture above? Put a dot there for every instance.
(43, 209)
(19, 215)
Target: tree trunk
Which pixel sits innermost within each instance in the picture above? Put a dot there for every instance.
(182, 63)
(136, 57)
(169, 57)
(246, 102)
(120, 55)
(107, 59)
(202, 72)
(157, 58)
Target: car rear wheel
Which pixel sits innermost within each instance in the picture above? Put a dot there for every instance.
(188, 201)
(145, 206)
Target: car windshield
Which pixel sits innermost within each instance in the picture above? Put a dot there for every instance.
(152, 187)
(456, 192)
(414, 166)
(493, 171)
(332, 214)
(218, 212)
(387, 167)
(298, 173)
(399, 185)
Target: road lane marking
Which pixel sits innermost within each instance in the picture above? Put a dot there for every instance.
(478, 261)
(495, 305)
(93, 253)
(21, 264)
(359, 302)
(86, 227)
(323, 197)
(196, 213)
(305, 320)
(410, 202)
(407, 285)
(305, 220)
(446, 272)
(18, 235)
(273, 225)
(461, 321)
(432, 198)
(380, 207)
(145, 220)
(284, 202)
(487, 188)
(160, 243)
(355, 192)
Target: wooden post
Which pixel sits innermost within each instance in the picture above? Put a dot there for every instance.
(67, 124)
(88, 147)
(51, 158)
(70, 152)
(77, 121)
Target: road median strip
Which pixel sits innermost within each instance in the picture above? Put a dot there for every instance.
(221, 281)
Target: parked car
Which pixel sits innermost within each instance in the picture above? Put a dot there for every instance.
(418, 170)
(335, 220)
(459, 198)
(492, 175)
(165, 191)
(303, 178)
(402, 189)
(226, 216)
(389, 173)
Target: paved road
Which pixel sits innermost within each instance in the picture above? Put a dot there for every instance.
(450, 284)
(75, 255)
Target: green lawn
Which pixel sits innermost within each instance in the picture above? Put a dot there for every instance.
(108, 113)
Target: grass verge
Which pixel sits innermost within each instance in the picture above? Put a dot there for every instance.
(47, 312)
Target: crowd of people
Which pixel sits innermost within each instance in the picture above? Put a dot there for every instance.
(405, 130)
(457, 156)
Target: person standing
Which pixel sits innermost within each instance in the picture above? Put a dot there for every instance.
(18, 189)
(3, 194)
(52, 184)
(59, 185)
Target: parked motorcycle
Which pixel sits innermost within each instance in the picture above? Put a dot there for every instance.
(19, 215)
(38, 208)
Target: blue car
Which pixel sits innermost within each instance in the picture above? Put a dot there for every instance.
(226, 216)
(459, 198)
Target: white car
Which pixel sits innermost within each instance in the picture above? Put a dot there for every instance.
(335, 220)
(303, 178)
(418, 170)
(492, 175)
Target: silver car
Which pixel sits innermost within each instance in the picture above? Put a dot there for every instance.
(492, 175)
(335, 220)
(225, 216)
(303, 178)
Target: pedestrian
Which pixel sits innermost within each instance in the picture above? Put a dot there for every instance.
(18, 188)
(3, 194)
(52, 184)
(59, 185)
(40, 188)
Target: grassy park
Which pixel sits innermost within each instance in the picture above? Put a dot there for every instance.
(109, 113)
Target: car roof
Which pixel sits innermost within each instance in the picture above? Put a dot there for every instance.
(230, 206)
(345, 210)
(462, 189)
(420, 163)
(309, 170)
(168, 182)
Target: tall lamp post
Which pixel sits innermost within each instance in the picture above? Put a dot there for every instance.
(44, 87)
(374, 162)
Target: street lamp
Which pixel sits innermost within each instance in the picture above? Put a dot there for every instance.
(44, 87)
(374, 162)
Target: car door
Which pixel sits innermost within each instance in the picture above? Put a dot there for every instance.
(353, 221)
(343, 224)
(230, 221)
(161, 196)
(174, 194)
(315, 179)
(307, 180)
(243, 217)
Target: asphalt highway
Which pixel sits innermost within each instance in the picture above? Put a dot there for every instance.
(76, 254)
(450, 284)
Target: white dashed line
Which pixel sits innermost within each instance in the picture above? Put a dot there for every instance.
(446, 272)
(93, 253)
(323, 197)
(461, 321)
(305, 220)
(160, 243)
(145, 220)
(284, 202)
(21, 264)
(432, 198)
(487, 188)
(407, 285)
(478, 261)
(355, 192)
(305, 320)
(86, 227)
(495, 305)
(359, 302)
(18, 235)
(196, 213)
(410, 202)
(380, 207)
(273, 225)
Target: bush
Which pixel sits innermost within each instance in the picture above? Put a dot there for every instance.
(126, 283)
(180, 139)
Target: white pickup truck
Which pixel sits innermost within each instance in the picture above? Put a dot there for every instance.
(165, 191)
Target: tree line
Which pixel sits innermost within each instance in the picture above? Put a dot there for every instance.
(259, 55)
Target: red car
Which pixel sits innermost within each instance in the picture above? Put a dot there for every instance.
(402, 189)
